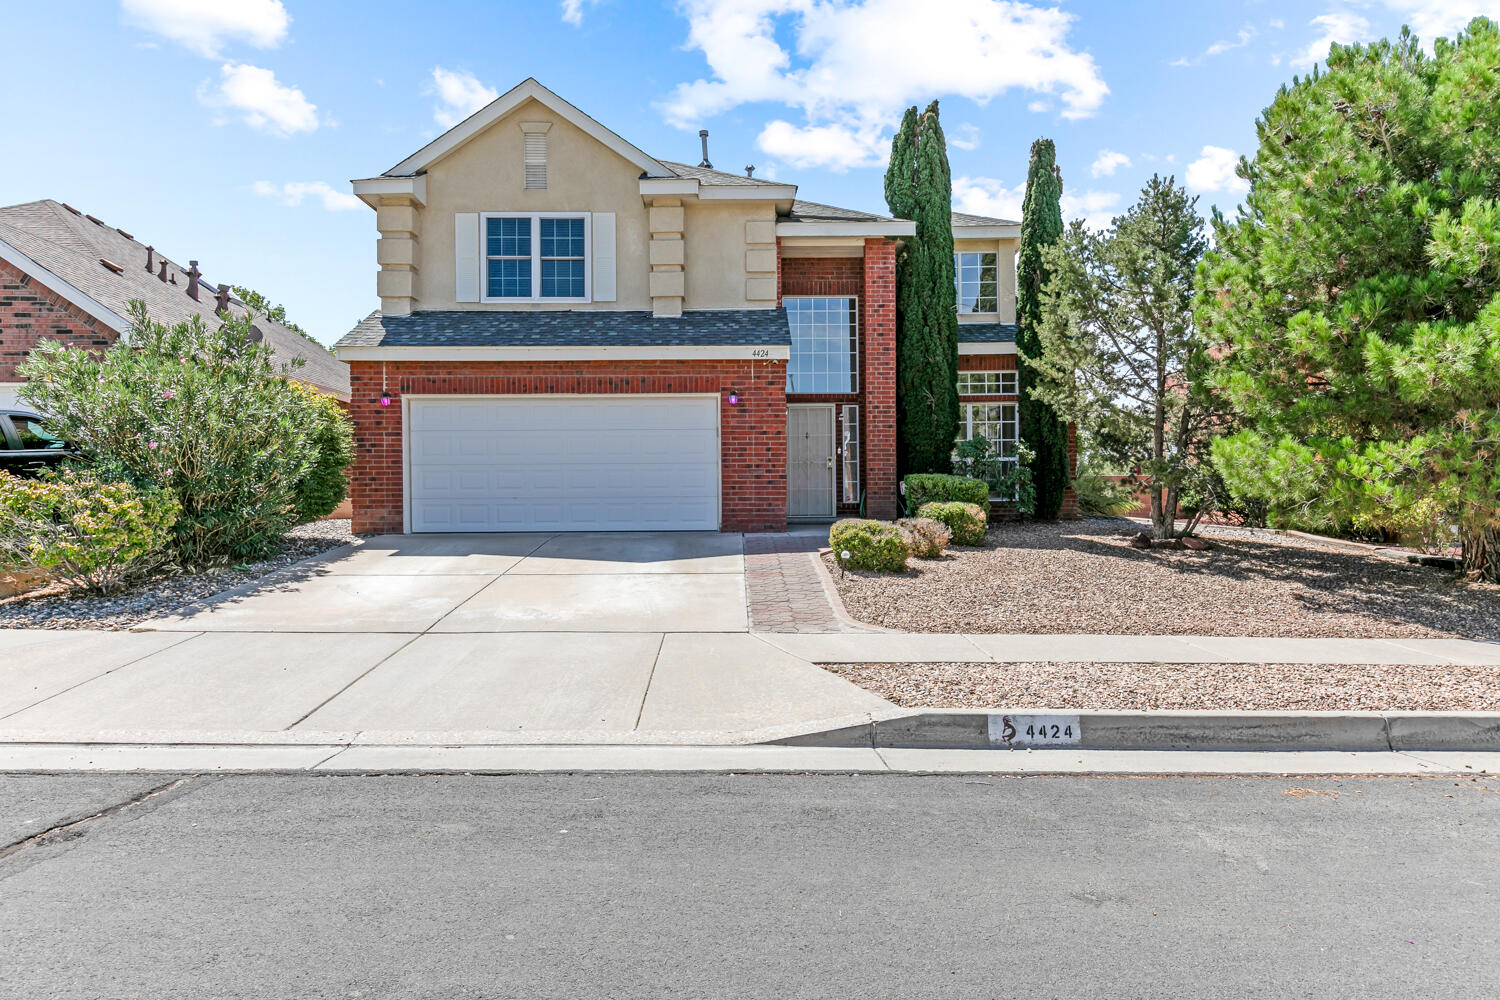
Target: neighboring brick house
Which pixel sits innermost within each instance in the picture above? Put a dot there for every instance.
(576, 335)
(70, 277)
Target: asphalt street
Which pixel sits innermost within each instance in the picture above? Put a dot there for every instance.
(584, 886)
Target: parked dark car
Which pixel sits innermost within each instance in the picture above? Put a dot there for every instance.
(29, 446)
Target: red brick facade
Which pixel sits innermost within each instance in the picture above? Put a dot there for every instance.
(752, 433)
(30, 312)
(879, 352)
(1007, 362)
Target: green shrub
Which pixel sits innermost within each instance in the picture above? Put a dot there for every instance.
(876, 545)
(81, 529)
(327, 483)
(980, 458)
(967, 521)
(1102, 497)
(933, 487)
(206, 413)
(925, 537)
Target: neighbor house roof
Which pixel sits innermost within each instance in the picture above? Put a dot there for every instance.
(79, 250)
(965, 219)
(572, 328)
(987, 333)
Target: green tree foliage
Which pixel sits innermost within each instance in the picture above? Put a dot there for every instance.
(1357, 292)
(327, 484)
(1041, 227)
(918, 187)
(1120, 355)
(205, 413)
(275, 313)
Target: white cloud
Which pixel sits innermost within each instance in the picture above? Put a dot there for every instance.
(1213, 171)
(459, 95)
(966, 136)
(1433, 18)
(572, 10)
(837, 147)
(988, 196)
(1341, 27)
(850, 66)
(1039, 107)
(1243, 37)
(1107, 162)
(204, 26)
(293, 192)
(262, 102)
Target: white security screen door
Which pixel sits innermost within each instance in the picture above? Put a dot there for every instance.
(809, 460)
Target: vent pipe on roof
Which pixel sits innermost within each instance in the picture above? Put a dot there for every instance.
(162, 274)
(222, 295)
(193, 274)
(703, 135)
(150, 259)
(749, 170)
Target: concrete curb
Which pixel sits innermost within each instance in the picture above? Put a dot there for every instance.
(970, 730)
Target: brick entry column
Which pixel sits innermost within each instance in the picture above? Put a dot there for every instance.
(881, 499)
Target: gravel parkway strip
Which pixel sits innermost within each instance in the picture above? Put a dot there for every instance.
(1167, 686)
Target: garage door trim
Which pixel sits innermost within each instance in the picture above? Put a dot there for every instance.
(407, 400)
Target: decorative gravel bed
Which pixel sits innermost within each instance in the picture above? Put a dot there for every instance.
(158, 596)
(1154, 686)
(1083, 577)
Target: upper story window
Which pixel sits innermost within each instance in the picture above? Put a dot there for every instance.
(825, 344)
(536, 257)
(1000, 383)
(976, 280)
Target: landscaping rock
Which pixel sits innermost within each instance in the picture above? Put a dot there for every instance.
(1196, 544)
(1141, 541)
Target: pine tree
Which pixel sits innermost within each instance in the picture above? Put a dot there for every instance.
(1041, 227)
(1358, 295)
(918, 186)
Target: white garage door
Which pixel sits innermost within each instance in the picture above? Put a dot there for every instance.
(564, 463)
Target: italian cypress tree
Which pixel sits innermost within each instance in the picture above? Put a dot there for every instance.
(918, 186)
(1041, 227)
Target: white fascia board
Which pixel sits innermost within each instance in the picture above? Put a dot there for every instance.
(377, 187)
(987, 232)
(773, 352)
(736, 192)
(526, 90)
(987, 348)
(76, 296)
(669, 187)
(890, 227)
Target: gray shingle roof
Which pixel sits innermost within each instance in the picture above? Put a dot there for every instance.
(812, 211)
(965, 219)
(987, 333)
(720, 178)
(572, 328)
(70, 246)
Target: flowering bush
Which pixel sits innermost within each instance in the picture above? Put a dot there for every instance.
(81, 529)
(327, 482)
(925, 537)
(205, 413)
(874, 545)
(967, 520)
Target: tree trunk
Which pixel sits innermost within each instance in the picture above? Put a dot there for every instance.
(1163, 512)
(1481, 554)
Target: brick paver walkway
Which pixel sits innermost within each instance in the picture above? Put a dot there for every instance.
(785, 588)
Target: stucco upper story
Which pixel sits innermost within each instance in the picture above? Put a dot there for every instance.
(531, 187)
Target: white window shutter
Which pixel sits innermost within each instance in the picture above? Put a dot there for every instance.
(466, 257)
(604, 256)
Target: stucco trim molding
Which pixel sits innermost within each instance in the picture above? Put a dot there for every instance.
(1001, 347)
(890, 227)
(987, 232)
(371, 189)
(771, 352)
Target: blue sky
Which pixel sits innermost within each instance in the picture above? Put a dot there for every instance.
(227, 131)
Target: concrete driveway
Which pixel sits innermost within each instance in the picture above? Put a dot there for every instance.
(566, 638)
(586, 582)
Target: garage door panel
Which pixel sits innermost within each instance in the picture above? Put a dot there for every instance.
(564, 463)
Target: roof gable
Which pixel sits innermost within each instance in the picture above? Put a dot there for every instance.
(528, 90)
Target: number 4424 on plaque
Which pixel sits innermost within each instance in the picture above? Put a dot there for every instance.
(1035, 730)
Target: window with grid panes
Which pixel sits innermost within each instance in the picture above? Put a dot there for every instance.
(1001, 383)
(824, 344)
(976, 282)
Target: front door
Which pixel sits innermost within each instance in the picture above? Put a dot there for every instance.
(809, 460)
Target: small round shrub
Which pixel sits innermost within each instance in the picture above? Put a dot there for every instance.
(81, 528)
(926, 537)
(966, 520)
(920, 488)
(876, 545)
(327, 482)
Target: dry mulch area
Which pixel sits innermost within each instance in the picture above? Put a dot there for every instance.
(1157, 686)
(157, 596)
(1083, 577)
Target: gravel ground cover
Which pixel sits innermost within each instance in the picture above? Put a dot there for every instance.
(1156, 686)
(1083, 577)
(158, 596)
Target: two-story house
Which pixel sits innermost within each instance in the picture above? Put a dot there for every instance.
(574, 334)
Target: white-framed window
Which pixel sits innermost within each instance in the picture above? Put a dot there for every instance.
(1001, 383)
(976, 282)
(849, 447)
(998, 423)
(535, 256)
(825, 344)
